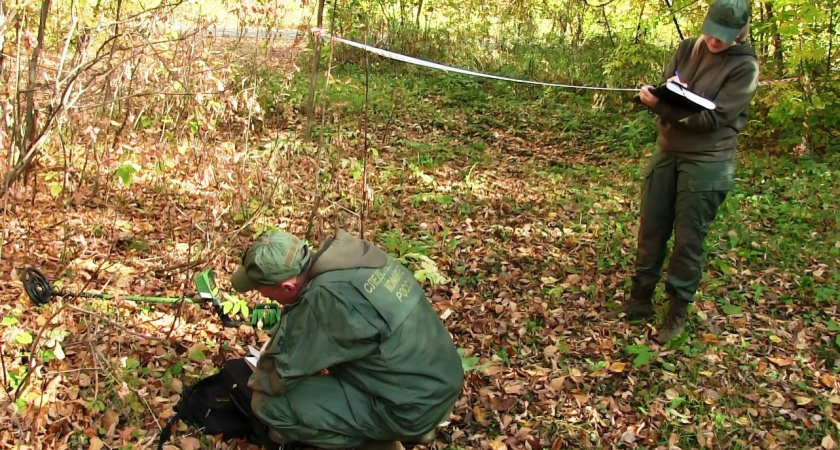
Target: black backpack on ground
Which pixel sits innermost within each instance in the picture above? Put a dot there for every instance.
(221, 404)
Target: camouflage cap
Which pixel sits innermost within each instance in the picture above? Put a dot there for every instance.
(276, 256)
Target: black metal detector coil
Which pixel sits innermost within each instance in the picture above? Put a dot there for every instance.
(37, 286)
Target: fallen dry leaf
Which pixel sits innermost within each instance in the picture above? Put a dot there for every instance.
(828, 380)
(581, 397)
(673, 439)
(617, 367)
(780, 362)
(96, 444)
(628, 436)
(506, 420)
(828, 443)
(110, 421)
(497, 445)
(479, 413)
(709, 338)
(776, 399)
(189, 443)
(753, 397)
(710, 396)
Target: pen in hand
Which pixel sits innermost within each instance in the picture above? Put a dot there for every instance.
(676, 79)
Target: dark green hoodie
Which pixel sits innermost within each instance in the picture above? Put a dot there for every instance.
(729, 79)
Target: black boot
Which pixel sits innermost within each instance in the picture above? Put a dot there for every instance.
(640, 305)
(674, 323)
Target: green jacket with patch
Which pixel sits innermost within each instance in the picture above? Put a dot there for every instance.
(363, 319)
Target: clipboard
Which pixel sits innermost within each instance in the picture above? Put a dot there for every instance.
(680, 96)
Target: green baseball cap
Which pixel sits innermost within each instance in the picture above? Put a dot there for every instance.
(726, 18)
(275, 257)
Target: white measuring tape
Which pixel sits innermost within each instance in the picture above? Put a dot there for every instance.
(421, 62)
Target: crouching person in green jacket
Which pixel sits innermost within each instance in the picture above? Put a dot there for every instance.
(360, 359)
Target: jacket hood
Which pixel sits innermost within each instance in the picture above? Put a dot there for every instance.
(742, 49)
(346, 252)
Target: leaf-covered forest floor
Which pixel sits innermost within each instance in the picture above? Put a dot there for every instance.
(526, 201)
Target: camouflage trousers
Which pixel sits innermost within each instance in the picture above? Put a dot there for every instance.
(679, 197)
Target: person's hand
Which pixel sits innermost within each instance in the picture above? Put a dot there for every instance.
(647, 97)
(676, 79)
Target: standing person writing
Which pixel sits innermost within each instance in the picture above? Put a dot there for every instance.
(692, 169)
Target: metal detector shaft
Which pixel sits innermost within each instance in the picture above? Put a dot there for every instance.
(41, 291)
(141, 298)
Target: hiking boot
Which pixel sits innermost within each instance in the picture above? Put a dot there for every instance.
(381, 445)
(640, 305)
(674, 323)
(425, 439)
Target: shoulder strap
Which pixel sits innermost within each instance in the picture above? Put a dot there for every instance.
(166, 432)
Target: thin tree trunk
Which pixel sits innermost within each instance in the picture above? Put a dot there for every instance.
(4, 23)
(17, 132)
(607, 24)
(579, 31)
(830, 38)
(417, 18)
(674, 18)
(778, 53)
(762, 42)
(313, 76)
(639, 25)
(30, 119)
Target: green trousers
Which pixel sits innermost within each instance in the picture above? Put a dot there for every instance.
(330, 413)
(679, 196)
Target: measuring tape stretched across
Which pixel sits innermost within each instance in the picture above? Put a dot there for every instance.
(422, 62)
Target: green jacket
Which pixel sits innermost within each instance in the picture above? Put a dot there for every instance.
(364, 318)
(729, 79)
